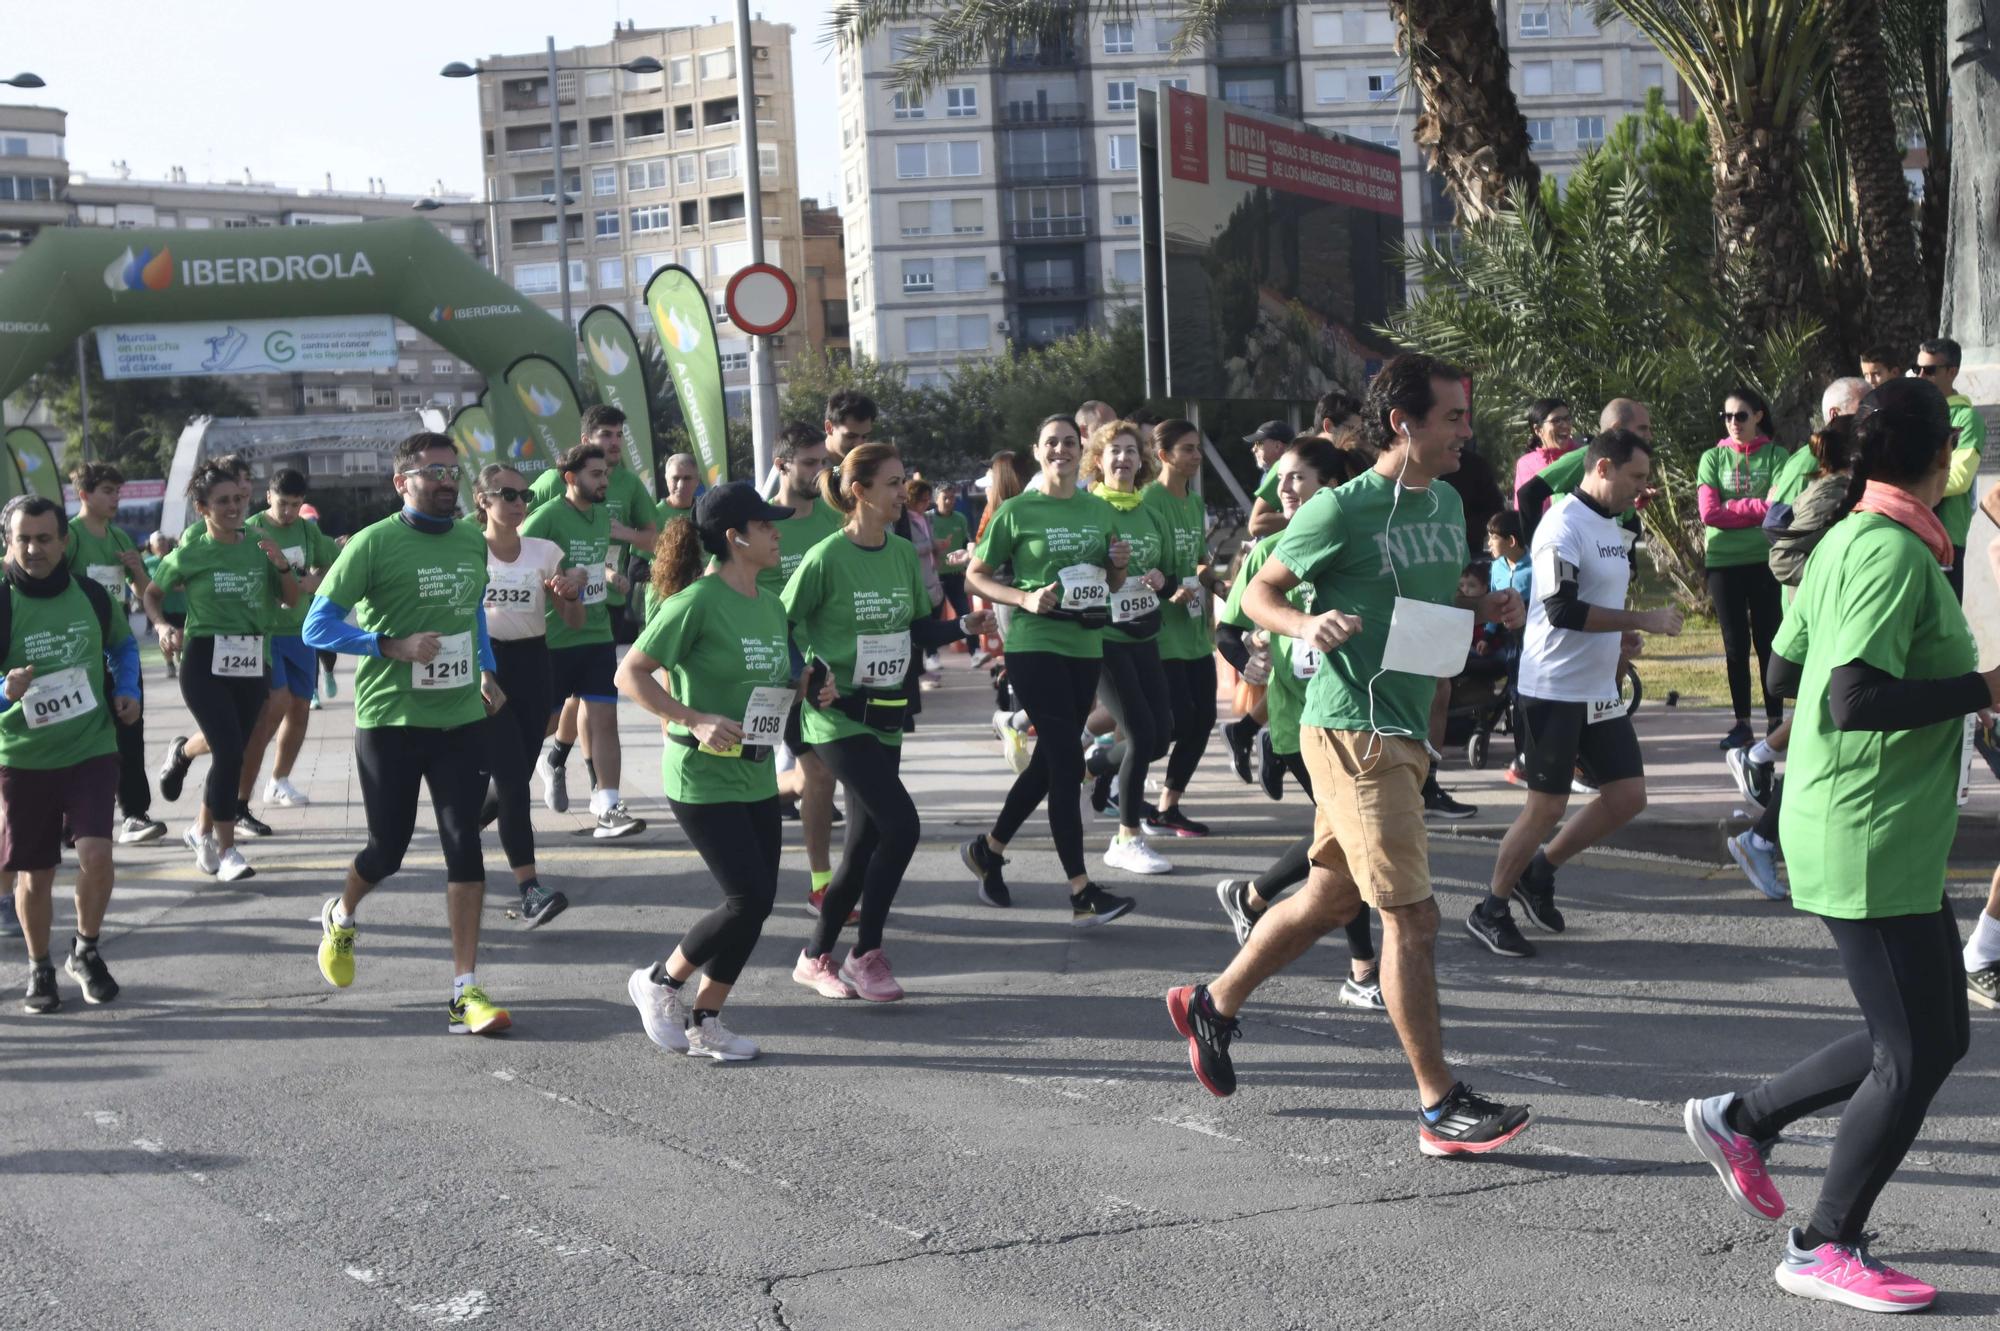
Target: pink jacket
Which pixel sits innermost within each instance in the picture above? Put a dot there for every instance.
(1531, 464)
(1733, 514)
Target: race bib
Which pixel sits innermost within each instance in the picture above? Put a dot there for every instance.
(593, 588)
(1084, 587)
(1134, 600)
(111, 577)
(1305, 661)
(1605, 709)
(880, 660)
(763, 718)
(451, 668)
(1194, 600)
(62, 695)
(238, 658)
(1427, 639)
(513, 589)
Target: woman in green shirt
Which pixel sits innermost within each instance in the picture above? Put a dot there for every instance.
(1187, 645)
(1734, 480)
(951, 537)
(1878, 654)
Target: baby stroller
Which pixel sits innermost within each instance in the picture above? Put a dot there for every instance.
(1482, 699)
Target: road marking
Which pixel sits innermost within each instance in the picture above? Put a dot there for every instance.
(1203, 1124)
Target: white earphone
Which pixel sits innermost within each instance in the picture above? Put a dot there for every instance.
(740, 541)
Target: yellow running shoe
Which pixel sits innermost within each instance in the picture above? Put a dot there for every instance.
(336, 948)
(473, 1013)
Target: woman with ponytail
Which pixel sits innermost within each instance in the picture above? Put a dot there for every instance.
(1879, 657)
(720, 644)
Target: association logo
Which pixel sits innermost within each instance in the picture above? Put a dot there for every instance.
(538, 402)
(680, 332)
(145, 271)
(608, 356)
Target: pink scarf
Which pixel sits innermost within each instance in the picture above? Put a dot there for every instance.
(1897, 506)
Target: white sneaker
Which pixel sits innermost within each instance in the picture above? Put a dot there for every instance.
(191, 839)
(284, 794)
(1136, 855)
(661, 1010)
(207, 854)
(711, 1039)
(555, 785)
(231, 867)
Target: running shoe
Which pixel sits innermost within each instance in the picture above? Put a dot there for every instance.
(1845, 1273)
(332, 684)
(473, 1013)
(555, 784)
(1466, 1123)
(1739, 1161)
(1136, 855)
(1580, 783)
(1759, 864)
(42, 995)
(174, 769)
(1172, 822)
(1740, 736)
(208, 855)
(1517, 775)
(282, 793)
(1753, 779)
(985, 864)
(10, 919)
(662, 1010)
(1234, 894)
(1538, 900)
(818, 974)
(1983, 985)
(1102, 801)
(250, 823)
(231, 867)
(336, 947)
(191, 838)
(539, 904)
(1498, 931)
(313, 703)
(1240, 734)
(1014, 748)
(817, 898)
(139, 829)
(1364, 994)
(87, 968)
(711, 1039)
(1438, 802)
(616, 822)
(1270, 772)
(1094, 906)
(788, 811)
(1208, 1035)
(868, 974)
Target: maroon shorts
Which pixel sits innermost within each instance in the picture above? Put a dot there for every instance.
(35, 807)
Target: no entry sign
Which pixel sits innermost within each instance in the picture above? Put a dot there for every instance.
(761, 299)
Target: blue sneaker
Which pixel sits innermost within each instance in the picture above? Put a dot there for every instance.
(10, 920)
(1759, 864)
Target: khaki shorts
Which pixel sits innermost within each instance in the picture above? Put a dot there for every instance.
(1368, 812)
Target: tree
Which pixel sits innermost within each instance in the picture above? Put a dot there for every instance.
(134, 423)
(1914, 46)
(1860, 83)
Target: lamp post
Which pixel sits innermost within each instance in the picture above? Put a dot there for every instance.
(559, 199)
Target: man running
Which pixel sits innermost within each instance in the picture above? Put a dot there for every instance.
(294, 668)
(416, 583)
(1562, 476)
(59, 760)
(1578, 627)
(1391, 542)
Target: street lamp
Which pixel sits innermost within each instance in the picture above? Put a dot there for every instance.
(644, 64)
(557, 200)
(26, 81)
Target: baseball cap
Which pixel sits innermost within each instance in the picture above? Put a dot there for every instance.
(731, 507)
(1277, 430)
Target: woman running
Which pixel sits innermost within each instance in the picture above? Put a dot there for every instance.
(860, 613)
(1735, 478)
(232, 589)
(1880, 658)
(522, 573)
(1134, 686)
(722, 645)
(1068, 562)
(1187, 645)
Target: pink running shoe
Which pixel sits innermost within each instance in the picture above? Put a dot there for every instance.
(818, 975)
(1839, 1273)
(871, 977)
(1737, 1158)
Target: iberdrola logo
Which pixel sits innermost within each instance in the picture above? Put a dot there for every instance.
(521, 449)
(30, 460)
(538, 402)
(608, 357)
(680, 332)
(482, 443)
(144, 272)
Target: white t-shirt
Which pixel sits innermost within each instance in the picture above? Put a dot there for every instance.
(516, 600)
(1577, 544)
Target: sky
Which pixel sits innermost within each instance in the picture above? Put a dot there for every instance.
(296, 89)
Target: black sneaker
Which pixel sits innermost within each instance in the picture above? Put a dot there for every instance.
(838, 816)
(42, 995)
(1270, 772)
(1094, 906)
(249, 822)
(139, 828)
(1466, 1123)
(788, 811)
(1753, 779)
(1498, 931)
(88, 969)
(1172, 822)
(985, 864)
(1100, 794)
(1208, 1035)
(1234, 894)
(1740, 736)
(1983, 985)
(539, 905)
(1438, 802)
(173, 772)
(1538, 901)
(1240, 734)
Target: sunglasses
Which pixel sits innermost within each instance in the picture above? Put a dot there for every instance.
(437, 471)
(1929, 370)
(1737, 417)
(509, 494)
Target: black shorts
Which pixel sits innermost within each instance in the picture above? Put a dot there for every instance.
(588, 672)
(1557, 736)
(795, 738)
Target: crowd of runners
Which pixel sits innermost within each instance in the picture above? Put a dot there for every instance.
(784, 637)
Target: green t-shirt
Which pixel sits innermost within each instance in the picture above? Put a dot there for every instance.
(232, 589)
(97, 557)
(1955, 511)
(399, 581)
(1870, 815)
(1285, 695)
(1267, 487)
(717, 645)
(796, 535)
(173, 602)
(949, 532)
(841, 592)
(1733, 474)
(1793, 478)
(1040, 537)
(1142, 526)
(306, 547)
(1566, 473)
(585, 540)
(1341, 542)
(58, 634)
(626, 500)
(1185, 634)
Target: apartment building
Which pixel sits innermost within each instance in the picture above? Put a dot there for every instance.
(654, 164)
(1004, 207)
(823, 298)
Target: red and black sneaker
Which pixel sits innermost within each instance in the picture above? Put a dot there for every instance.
(1466, 1123)
(1208, 1035)
(1172, 822)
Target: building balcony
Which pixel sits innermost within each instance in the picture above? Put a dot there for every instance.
(1043, 113)
(1237, 42)
(1046, 55)
(1043, 173)
(1044, 289)
(1048, 228)
(1274, 105)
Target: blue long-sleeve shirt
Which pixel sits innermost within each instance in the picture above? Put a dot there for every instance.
(327, 630)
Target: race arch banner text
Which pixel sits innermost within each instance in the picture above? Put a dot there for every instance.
(540, 393)
(35, 463)
(620, 372)
(344, 343)
(686, 328)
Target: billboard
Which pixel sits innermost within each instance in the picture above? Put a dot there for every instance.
(340, 343)
(1270, 252)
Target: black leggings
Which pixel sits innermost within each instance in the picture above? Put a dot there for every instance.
(135, 788)
(882, 832)
(392, 762)
(1767, 822)
(1135, 693)
(1056, 692)
(517, 732)
(1909, 979)
(954, 593)
(1290, 869)
(1191, 692)
(1747, 610)
(740, 844)
(226, 709)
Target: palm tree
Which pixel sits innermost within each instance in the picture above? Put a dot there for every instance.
(1860, 84)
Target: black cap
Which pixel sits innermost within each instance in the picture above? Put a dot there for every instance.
(731, 507)
(1277, 430)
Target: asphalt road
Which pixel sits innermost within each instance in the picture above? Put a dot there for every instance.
(1019, 1144)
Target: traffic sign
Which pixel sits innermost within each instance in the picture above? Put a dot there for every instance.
(760, 299)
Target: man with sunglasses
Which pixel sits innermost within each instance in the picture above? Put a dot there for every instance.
(416, 583)
(1938, 361)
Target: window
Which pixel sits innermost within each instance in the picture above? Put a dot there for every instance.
(1582, 23)
(767, 159)
(733, 360)
(730, 256)
(536, 279)
(1124, 152)
(1121, 95)
(1534, 24)
(905, 107)
(603, 131)
(1590, 76)
(961, 102)
(651, 217)
(847, 131)
(1541, 133)
(687, 171)
(974, 332)
(405, 335)
(597, 83)
(720, 164)
(968, 217)
(1652, 76)
(407, 401)
(920, 335)
(1048, 212)
(645, 265)
(691, 213)
(328, 464)
(1383, 134)
(726, 208)
(968, 274)
(1589, 131)
(610, 274)
(406, 368)
(444, 366)
(1180, 83)
(1537, 78)
(649, 174)
(903, 42)
(853, 186)
(1125, 208)
(1381, 84)
(1327, 28)
(678, 71)
(1329, 85)
(645, 125)
(916, 161)
(605, 223)
(1118, 39)
(1166, 32)
(917, 277)
(1378, 29)
(632, 81)
(604, 180)
(718, 65)
(1125, 267)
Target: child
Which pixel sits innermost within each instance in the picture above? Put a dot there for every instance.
(1510, 567)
